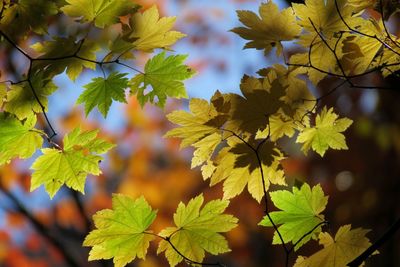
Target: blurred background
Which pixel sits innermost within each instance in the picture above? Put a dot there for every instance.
(363, 182)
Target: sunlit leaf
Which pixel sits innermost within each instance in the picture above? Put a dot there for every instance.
(21, 100)
(102, 12)
(165, 75)
(102, 91)
(18, 139)
(69, 165)
(327, 133)
(338, 251)
(121, 232)
(269, 30)
(300, 213)
(197, 230)
(151, 31)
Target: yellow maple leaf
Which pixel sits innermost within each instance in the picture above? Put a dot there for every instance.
(320, 19)
(338, 251)
(269, 30)
(150, 31)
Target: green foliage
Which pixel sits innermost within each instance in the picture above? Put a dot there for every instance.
(164, 75)
(237, 138)
(121, 232)
(18, 139)
(74, 66)
(21, 100)
(300, 213)
(71, 164)
(102, 12)
(197, 230)
(102, 91)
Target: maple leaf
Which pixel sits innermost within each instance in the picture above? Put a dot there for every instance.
(121, 231)
(238, 166)
(197, 230)
(205, 148)
(21, 17)
(200, 128)
(165, 75)
(359, 51)
(102, 91)
(51, 49)
(22, 102)
(339, 251)
(18, 139)
(72, 164)
(324, 17)
(150, 31)
(300, 213)
(326, 133)
(261, 100)
(269, 30)
(102, 12)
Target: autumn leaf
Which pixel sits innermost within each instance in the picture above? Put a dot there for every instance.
(150, 31)
(300, 213)
(261, 100)
(197, 230)
(102, 91)
(69, 165)
(270, 30)
(23, 17)
(320, 19)
(102, 12)
(121, 232)
(21, 100)
(18, 139)
(165, 75)
(51, 49)
(194, 124)
(238, 166)
(339, 251)
(327, 133)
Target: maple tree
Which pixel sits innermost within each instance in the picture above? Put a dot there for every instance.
(237, 138)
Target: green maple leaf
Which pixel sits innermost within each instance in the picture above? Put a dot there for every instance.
(300, 213)
(69, 165)
(102, 12)
(150, 31)
(21, 100)
(74, 66)
(18, 139)
(165, 75)
(339, 251)
(24, 15)
(269, 30)
(121, 231)
(101, 91)
(326, 133)
(197, 230)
